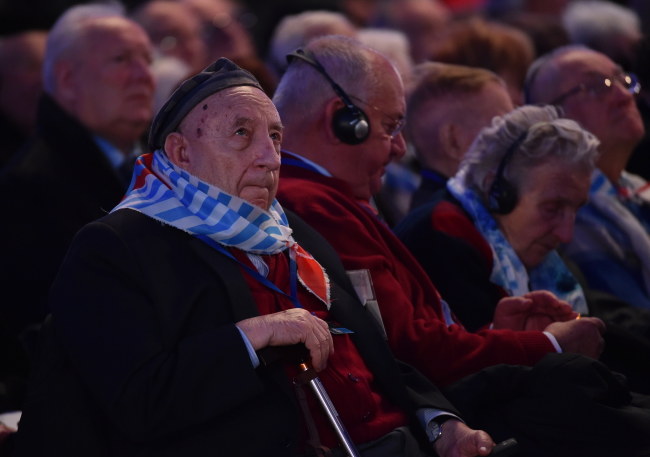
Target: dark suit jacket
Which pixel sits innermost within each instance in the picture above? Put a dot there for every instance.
(145, 350)
(56, 184)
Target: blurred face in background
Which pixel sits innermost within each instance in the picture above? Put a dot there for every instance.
(108, 84)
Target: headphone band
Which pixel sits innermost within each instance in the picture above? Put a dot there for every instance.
(308, 57)
(508, 156)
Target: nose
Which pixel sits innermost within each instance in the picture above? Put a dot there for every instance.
(398, 146)
(142, 70)
(564, 228)
(621, 91)
(268, 156)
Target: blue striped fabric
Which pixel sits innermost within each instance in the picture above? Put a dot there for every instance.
(169, 194)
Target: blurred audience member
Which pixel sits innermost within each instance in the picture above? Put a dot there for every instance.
(168, 72)
(226, 36)
(438, 120)
(362, 13)
(606, 27)
(545, 30)
(96, 107)
(175, 30)
(611, 245)
(21, 61)
(421, 20)
(296, 30)
(503, 49)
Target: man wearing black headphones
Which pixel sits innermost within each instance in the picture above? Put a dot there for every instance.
(331, 167)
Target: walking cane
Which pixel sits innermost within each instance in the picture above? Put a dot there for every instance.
(298, 353)
(309, 376)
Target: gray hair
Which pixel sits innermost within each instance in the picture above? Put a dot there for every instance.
(394, 44)
(350, 64)
(295, 31)
(67, 35)
(538, 134)
(595, 22)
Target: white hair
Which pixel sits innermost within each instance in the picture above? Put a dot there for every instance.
(531, 135)
(66, 35)
(295, 31)
(394, 44)
(593, 22)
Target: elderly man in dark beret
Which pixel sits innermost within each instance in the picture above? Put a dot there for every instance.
(173, 316)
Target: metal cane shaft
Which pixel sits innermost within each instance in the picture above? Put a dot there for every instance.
(332, 414)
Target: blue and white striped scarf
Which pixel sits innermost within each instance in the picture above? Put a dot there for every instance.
(171, 195)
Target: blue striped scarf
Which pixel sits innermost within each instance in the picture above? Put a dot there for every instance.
(171, 195)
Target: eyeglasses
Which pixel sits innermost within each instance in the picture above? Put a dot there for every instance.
(600, 85)
(393, 127)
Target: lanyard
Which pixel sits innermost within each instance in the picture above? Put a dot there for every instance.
(293, 271)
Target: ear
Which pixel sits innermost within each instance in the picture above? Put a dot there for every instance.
(176, 147)
(450, 138)
(331, 107)
(65, 83)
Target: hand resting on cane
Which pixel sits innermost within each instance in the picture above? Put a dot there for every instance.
(290, 327)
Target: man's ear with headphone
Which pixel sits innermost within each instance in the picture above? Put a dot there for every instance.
(350, 123)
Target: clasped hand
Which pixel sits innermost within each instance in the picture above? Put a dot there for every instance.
(289, 327)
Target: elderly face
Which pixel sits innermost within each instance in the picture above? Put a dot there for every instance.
(368, 163)
(108, 86)
(545, 212)
(611, 115)
(176, 31)
(232, 140)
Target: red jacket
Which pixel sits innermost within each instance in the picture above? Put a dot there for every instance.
(409, 302)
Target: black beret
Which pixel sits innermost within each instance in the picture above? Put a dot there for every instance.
(222, 74)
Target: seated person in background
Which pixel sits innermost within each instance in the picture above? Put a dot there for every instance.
(611, 242)
(95, 107)
(175, 30)
(496, 231)
(438, 120)
(295, 30)
(21, 61)
(162, 309)
(331, 166)
(503, 49)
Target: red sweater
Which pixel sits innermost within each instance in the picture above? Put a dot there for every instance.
(409, 302)
(366, 414)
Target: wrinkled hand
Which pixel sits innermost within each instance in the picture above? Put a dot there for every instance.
(289, 327)
(458, 440)
(532, 311)
(580, 336)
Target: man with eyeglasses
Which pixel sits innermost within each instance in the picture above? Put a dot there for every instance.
(611, 245)
(340, 104)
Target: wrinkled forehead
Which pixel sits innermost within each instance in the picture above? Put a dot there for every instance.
(231, 103)
(114, 31)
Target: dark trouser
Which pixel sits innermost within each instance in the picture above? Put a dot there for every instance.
(398, 443)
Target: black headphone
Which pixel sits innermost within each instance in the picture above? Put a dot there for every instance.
(502, 197)
(350, 124)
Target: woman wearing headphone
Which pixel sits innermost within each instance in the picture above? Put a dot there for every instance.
(496, 229)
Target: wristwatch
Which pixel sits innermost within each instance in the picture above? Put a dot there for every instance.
(434, 428)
